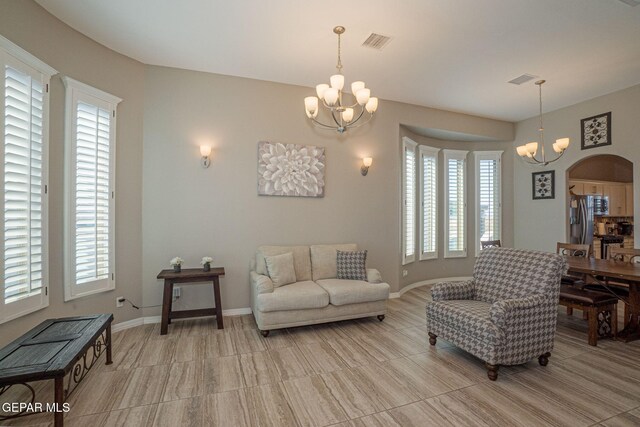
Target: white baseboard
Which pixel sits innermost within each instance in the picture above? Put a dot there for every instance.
(128, 324)
(156, 319)
(247, 310)
(427, 282)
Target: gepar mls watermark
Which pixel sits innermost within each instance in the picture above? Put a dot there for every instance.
(11, 408)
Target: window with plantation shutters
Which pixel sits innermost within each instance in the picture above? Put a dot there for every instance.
(408, 201)
(455, 203)
(90, 166)
(428, 202)
(488, 196)
(24, 261)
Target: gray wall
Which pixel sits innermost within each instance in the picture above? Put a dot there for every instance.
(35, 30)
(457, 267)
(539, 224)
(192, 212)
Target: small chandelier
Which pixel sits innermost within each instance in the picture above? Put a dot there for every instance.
(529, 151)
(344, 116)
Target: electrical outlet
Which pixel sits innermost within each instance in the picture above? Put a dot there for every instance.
(119, 302)
(405, 273)
(176, 292)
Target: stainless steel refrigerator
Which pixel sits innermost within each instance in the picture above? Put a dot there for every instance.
(581, 219)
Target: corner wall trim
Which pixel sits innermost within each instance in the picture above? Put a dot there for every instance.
(156, 319)
(428, 282)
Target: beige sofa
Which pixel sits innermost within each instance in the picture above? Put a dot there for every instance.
(317, 296)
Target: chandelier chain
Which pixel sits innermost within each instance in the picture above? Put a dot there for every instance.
(339, 65)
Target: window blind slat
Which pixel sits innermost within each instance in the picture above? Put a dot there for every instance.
(23, 189)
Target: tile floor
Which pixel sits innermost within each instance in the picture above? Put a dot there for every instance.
(354, 373)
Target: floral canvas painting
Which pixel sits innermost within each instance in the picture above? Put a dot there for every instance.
(290, 170)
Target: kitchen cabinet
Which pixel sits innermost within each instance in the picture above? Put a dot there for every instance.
(617, 199)
(629, 199)
(593, 188)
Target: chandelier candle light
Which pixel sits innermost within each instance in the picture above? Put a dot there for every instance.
(529, 151)
(331, 95)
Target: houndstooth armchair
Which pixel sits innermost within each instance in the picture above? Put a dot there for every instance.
(505, 315)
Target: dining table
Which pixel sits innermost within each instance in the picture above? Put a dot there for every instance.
(609, 269)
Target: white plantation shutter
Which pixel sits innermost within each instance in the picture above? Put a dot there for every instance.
(409, 201)
(455, 205)
(429, 202)
(488, 196)
(90, 188)
(24, 263)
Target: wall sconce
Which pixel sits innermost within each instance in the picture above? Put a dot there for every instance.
(205, 152)
(366, 162)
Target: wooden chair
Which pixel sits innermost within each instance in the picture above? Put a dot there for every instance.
(573, 249)
(578, 250)
(625, 254)
(490, 244)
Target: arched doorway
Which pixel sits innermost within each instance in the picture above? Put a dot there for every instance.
(600, 197)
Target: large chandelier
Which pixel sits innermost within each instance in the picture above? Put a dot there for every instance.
(344, 116)
(529, 151)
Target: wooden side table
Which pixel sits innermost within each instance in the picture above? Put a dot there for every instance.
(190, 276)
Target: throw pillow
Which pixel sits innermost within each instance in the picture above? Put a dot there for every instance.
(352, 265)
(280, 269)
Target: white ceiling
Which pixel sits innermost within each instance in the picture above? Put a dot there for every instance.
(450, 54)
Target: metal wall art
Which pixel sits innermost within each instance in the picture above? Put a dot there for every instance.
(543, 185)
(596, 131)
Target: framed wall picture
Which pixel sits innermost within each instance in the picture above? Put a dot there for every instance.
(290, 170)
(596, 131)
(544, 185)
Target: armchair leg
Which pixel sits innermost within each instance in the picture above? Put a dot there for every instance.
(544, 359)
(265, 333)
(432, 338)
(381, 317)
(492, 371)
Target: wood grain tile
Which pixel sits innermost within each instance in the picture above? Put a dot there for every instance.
(189, 348)
(248, 341)
(229, 408)
(351, 352)
(144, 386)
(185, 380)
(156, 352)
(222, 374)
(97, 394)
(418, 414)
(185, 412)
(321, 357)
(279, 338)
(258, 368)
(381, 387)
(354, 402)
(290, 363)
(312, 402)
(628, 419)
(419, 380)
(269, 407)
(218, 345)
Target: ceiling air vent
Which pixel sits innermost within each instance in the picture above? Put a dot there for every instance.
(376, 41)
(522, 79)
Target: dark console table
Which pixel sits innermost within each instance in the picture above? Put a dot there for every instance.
(190, 276)
(55, 349)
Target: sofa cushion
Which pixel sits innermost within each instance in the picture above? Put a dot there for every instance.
(469, 317)
(301, 259)
(351, 265)
(280, 268)
(342, 292)
(296, 296)
(324, 260)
